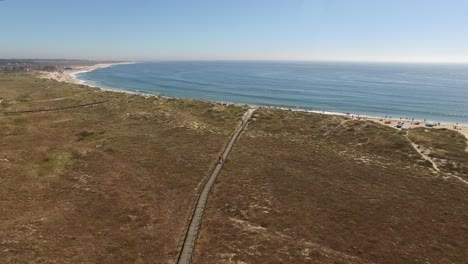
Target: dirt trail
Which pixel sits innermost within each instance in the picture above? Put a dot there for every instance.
(63, 98)
(195, 222)
(420, 150)
(57, 109)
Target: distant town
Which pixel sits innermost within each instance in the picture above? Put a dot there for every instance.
(27, 65)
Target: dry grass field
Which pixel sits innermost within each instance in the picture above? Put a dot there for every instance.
(309, 188)
(110, 183)
(100, 177)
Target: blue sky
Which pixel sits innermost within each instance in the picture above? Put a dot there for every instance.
(344, 30)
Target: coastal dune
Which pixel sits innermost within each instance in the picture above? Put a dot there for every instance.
(92, 176)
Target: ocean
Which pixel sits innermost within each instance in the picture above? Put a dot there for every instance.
(436, 92)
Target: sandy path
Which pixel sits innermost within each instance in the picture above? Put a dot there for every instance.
(63, 98)
(421, 152)
(424, 156)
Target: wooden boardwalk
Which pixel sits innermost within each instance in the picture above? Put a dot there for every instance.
(195, 222)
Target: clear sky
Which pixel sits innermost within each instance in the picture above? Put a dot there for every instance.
(361, 30)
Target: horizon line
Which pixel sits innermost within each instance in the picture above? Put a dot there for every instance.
(248, 60)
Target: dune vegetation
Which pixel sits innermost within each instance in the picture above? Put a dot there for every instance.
(310, 188)
(112, 182)
(91, 176)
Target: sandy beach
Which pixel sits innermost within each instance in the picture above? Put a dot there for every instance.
(391, 122)
(70, 75)
(407, 124)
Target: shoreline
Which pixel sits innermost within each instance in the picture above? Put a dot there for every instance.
(71, 77)
(390, 122)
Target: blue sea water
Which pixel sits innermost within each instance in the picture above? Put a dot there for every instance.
(436, 92)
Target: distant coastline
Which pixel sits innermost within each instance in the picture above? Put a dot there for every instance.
(70, 75)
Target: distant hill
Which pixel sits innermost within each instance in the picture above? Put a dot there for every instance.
(57, 62)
